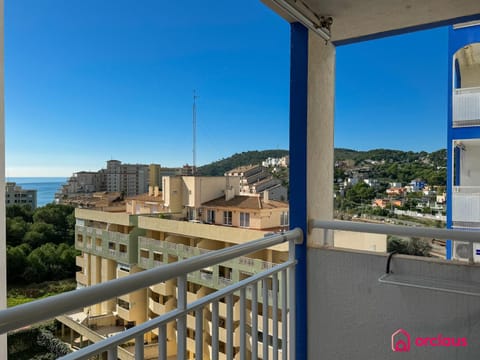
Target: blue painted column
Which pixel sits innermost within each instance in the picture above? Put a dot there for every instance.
(298, 173)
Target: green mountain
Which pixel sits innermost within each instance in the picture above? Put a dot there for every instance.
(385, 164)
(219, 167)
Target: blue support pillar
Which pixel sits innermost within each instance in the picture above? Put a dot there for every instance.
(298, 173)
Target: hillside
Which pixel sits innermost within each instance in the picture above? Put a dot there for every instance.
(218, 168)
(394, 165)
(436, 158)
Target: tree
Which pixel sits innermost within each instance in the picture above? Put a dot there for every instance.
(16, 262)
(408, 246)
(360, 193)
(41, 233)
(16, 228)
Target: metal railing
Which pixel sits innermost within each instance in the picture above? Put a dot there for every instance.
(466, 206)
(282, 298)
(466, 107)
(457, 286)
(414, 231)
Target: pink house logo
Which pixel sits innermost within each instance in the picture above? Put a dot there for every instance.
(401, 341)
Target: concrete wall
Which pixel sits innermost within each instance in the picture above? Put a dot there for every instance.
(220, 233)
(360, 241)
(197, 190)
(172, 192)
(104, 217)
(352, 316)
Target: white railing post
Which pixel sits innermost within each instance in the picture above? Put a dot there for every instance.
(199, 334)
(255, 320)
(182, 320)
(275, 315)
(215, 330)
(139, 347)
(112, 353)
(265, 318)
(284, 315)
(291, 301)
(229, 303)
(162, 342)
(243, 328)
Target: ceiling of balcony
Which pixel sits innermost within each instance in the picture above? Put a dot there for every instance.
(357, 19)
(469, 55)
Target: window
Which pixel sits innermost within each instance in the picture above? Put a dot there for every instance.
(244, 219)
(284, 218)
(157, 256)
(123, 304)
(227, 218)
(211, 216)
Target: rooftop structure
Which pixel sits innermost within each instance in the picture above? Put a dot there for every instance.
(344, 304)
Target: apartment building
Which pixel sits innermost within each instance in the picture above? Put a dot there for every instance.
(463, 148)
(16, 195)
(84, 182)
(255, 179)
(129, 179)
(164, 227)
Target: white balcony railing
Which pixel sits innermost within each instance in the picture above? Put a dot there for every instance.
(282, 293)
(466, 206)
(466, 107)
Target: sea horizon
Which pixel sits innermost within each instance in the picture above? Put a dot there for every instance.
(46, 186)
(35, 179)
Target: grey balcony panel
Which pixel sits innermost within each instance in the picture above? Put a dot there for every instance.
(353, 316)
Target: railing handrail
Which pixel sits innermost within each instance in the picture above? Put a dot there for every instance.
(40, 310)
(400, 230)
(149, 325)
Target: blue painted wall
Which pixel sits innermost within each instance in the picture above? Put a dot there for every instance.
(457, 39)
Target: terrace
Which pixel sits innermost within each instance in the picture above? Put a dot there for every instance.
(339, 304)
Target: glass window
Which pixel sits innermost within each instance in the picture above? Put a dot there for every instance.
(244, 219)
(211, 216)
(227, 218)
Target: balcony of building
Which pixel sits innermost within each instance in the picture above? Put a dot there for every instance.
(466, 206)
(466, 92)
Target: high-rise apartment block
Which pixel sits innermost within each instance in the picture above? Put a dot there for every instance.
(126, 179)
(129, 179)
(191, 216)
(463, 181)
(16, 195)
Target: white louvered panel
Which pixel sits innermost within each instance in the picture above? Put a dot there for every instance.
(466, 207)
(466, 107)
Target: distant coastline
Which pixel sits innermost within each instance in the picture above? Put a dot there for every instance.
(46, 186)
(35, 180)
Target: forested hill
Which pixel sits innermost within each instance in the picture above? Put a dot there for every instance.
(218, 168)
(434, 159)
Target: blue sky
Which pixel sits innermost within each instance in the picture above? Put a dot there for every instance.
(86, 81)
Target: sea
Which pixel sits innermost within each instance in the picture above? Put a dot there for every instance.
(46, 187)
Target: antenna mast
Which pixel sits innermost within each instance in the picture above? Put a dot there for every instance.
(194, 125)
